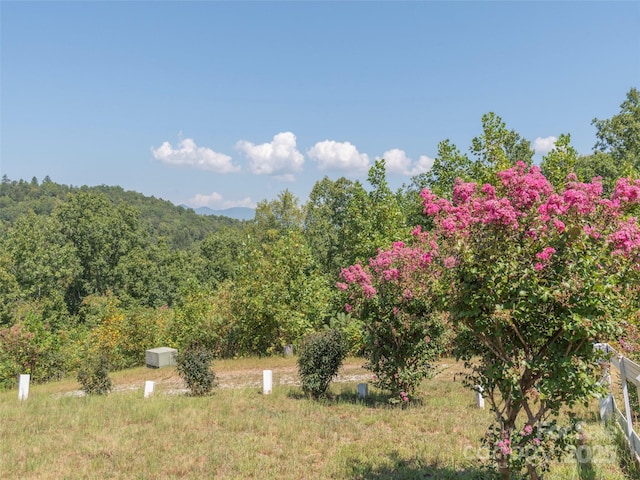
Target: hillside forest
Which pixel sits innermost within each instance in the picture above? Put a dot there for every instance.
(99, 268)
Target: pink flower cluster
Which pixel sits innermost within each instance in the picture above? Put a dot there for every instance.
(525, 186)
(627, 191)
(356, 274)
(504, 446)
(404, 396)
(626, 239)
(544, 257)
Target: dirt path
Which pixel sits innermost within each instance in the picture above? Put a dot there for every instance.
(169, 382)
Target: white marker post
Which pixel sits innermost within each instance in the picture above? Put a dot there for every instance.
(479, 398)
(23, 387)
(148, 388)
(363, 390)
(267, 381)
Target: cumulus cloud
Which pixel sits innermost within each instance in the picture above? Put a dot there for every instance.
(190, 155)
(278, 157)
(244, 202)
(216, 200)
(423, 165)
(339, 155)
(396, 161)
(201, 200)
(544, 145)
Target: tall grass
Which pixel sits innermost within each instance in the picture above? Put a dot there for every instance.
(238, 433)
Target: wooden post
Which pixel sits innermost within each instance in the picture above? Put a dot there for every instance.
(23, 387)
(267, 381)
(625, 396)
(148, 388)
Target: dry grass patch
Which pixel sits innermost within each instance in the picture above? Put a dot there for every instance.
(240, 433)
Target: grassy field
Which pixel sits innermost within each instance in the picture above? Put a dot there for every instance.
(238, 433)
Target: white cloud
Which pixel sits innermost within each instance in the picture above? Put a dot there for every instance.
(216, 201)
(201, 200)
(244, 202)
(396, 161)
(423, 165)
(190, 155)
(279, 157)
(339, 155)
(544, 145)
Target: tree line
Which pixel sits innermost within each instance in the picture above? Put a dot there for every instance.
(98, 268)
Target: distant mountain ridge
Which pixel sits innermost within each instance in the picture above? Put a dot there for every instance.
(239, 213)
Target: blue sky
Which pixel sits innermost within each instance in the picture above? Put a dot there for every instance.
(229, 103)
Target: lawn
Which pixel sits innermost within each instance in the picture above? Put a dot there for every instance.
(238, 433)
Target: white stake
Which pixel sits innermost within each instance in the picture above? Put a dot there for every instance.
(479, 397)
(267, 381)
(23, 387)
(148, 388)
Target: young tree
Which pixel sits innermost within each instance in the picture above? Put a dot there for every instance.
(396, 295)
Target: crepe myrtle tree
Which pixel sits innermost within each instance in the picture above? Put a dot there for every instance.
(395, 297)
(533, 277)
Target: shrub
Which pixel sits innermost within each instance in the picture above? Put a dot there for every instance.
(194, 367)
(321, 356)
(94, 374)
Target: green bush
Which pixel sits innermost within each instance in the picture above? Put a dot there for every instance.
(194, 367)
(321, 356)
(94, 375)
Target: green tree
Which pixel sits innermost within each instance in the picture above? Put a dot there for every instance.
(560, 162)
(619, 136)
(326, 220)
(279, 215)
(279, 296)
(374, 218)
(497, 149)
(43, 261)
(601, 165)
(102, 234)
(220, 255)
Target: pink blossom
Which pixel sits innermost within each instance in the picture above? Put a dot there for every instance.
(627, 190)
(526, 186)
(538, 266)
(528, 429)
(391, 274)
(369, 291)
(489, 191)
(342, 286)
(537, 441)
(546, 253)
(348, 307)
(626, 238)
(504, 446)
(463, 191)
(560, 226)
(450, 262)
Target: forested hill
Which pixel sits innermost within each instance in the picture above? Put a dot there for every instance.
(180, 227)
